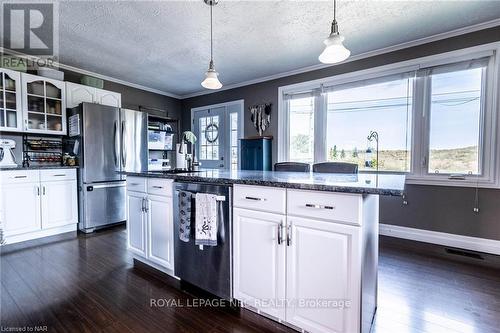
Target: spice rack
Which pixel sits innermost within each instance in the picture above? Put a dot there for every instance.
(39, 151)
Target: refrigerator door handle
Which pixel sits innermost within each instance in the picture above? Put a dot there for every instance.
(115, 143)
(124, 150)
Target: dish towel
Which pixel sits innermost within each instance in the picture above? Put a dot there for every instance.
(185, 215)
(206, 219)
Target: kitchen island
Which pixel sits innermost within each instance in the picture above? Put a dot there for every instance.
(304, 247)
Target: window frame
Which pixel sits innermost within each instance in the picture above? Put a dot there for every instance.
(421, 108)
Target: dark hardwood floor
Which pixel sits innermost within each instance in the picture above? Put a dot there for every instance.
(89, 284)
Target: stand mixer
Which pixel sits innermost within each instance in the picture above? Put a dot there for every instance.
(7, 159)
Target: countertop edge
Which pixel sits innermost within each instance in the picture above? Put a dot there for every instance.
(270, 183)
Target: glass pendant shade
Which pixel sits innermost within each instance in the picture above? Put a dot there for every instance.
(211, 80)
(334, 51)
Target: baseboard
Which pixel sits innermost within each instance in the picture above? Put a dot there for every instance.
(441, 238)
(39, 234)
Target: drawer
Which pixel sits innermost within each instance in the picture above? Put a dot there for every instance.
(19, 176)
(51, 175)
(161, 187)
(260, 198)
(340, 207)
(136, 184)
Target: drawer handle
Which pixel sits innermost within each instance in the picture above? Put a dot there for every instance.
(255, 199)
(60, 175)
(319, 206)
(20, 176)
(134, 184)
(157, 186)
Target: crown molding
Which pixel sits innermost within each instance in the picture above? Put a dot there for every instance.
(90, 73)
(397, 47)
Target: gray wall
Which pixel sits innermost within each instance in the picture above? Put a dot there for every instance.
(444, 209)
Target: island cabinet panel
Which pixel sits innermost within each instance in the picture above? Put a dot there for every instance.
(160, 230)
(259, 261)
(150, 225)
(323, 276)
(136, 223)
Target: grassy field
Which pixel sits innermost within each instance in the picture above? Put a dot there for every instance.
(460, 160)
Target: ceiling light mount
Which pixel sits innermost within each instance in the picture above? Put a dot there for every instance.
(211, 76)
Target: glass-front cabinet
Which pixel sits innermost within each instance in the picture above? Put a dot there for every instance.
(43, 105)
(10, 101)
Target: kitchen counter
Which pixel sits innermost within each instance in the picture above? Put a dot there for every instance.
(382, 184)
(39, 167)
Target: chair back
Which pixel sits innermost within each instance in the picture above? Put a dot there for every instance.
(335, 167)
(292, 167)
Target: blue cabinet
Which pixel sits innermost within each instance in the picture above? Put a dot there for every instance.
(256, 154)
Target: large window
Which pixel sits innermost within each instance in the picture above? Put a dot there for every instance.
(435, 121)
(455, 122)
(353, 112)
(302, 129)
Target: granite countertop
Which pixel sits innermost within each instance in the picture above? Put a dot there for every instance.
(38, 167)
(383, 184)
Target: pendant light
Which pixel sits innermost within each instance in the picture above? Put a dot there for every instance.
(211, 76)
(334, 51)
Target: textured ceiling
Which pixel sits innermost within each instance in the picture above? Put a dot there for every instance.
(165, 44)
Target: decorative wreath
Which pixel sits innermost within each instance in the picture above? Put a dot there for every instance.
(212, 128)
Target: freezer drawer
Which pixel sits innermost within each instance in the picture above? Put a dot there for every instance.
(103, 204)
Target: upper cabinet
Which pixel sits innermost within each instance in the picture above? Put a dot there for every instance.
(43, 101)
(79, 93)
(110, 98)
(10, 101)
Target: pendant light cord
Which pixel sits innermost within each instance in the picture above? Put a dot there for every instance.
(211, 35)
(334, 9)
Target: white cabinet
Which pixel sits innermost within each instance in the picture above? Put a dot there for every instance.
(11, 115)
(150, 222)
(259, 260)
(110, 98)
(136, 222)
(160, 230)
(323, 267)
(37, 203)
(59, 203)
(79, 93)
(20, 206)
(309, 265)
(43, 101)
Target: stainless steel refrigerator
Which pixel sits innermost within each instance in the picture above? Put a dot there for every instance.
(106, 140)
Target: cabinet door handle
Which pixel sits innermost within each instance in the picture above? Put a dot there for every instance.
(280, 233)
(255, 199)
(37, 190)
(43, 190)
(319, 206)
(289, 235)
(143, 205)
(146, 204)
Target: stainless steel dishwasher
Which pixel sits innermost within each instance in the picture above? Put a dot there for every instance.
(208, 267)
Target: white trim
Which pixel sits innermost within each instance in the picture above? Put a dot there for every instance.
(39, 234)
(442, 238)
(425, 40)
(99, 76)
